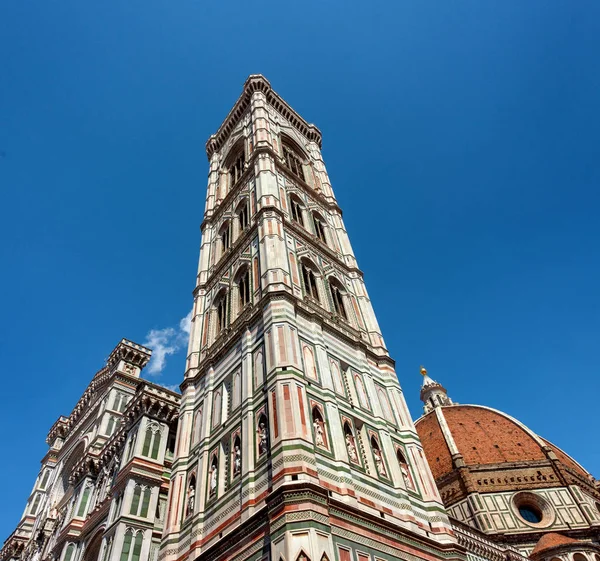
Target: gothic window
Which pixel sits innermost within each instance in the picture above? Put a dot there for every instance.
(244, 288)
(119, 402)
(85, 496)
(337, 377)
(197, 426)
(190, 500)
(113, 424)
(338, 299)
(293, 162)
(319, 227)
(296, 210)
(243, 216)
(263, 435)
(225, 235)
(319, 428)
(236, 457)
(140, 501)
(107, 549)
(237, 168)
(132, 548)
(236, 390)
(69, 552)
(151, 445)
(378, 456)
(36, 504)
(44, 479)
(221, 312)
(385, 404)
(310, 281)
(130, 446)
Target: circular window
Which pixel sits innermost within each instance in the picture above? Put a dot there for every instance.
(530, 513)
(533, 509)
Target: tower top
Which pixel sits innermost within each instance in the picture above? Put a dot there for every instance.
(433, 394)
(258, 83)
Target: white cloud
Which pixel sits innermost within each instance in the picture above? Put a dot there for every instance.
(166, 342)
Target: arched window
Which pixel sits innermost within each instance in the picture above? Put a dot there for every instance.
(36, 504)
(44, 479)
(243, 215)
(262, 431)
(319, 227)
(69, 552)
(579, 557)
(221, 312)
(378, 456)
(319, 428)
(217, 408)
(244, 288)
(408, 480)
(129, 553)
(337, 299)
(236, 169)
(225, 235)
(310, 281)
(151, 445)
(293, 161)
(296, 210)
(191, 496)
(385, 404)
(140, 500)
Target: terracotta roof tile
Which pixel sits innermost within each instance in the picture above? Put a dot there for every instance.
(550, 541)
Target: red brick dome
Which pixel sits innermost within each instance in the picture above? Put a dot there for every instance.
(482, 436)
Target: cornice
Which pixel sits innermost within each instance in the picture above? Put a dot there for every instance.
(258, 83)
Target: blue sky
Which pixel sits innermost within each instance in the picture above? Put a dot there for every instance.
(462, 143)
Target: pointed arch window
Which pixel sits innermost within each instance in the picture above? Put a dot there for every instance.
(36, 504)
(152, 439)
(236, 170)
(221, 312)
(319, 227)
(140, 501)
(338, 299)
(310, 281)
(225, 235)
(296, 210)
(44, 479)
(69, 552)
(243, 216)
(244, 288)
(132, 548)
(293, 162)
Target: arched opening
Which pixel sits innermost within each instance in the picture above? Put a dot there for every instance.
(579, 557)
(293, 158)
(309, 279)
(236, 456)
(236, 164)
(350, 443)
(319, 428)
(242, 280)
(225, 235)
(319, 223)
(92, 550)
(220, 308)
(191, 496)
(296, 209)
(378, 456)
(263, 434)
(360, 390)
(336, 290)
(243, 215)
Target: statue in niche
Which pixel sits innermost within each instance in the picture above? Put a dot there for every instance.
(214, 478)
(263, 439)
(351, 448)
(191, 498)
(407, 477)
(319, 433)
(237, 460)
(379, 461)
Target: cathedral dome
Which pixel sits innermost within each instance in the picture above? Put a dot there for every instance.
(482, 436)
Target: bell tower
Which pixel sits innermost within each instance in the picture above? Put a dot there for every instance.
(294, 441)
